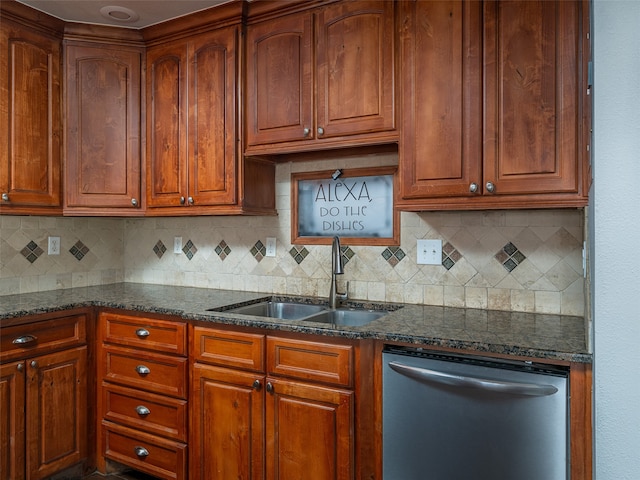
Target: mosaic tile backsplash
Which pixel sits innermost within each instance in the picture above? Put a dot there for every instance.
(527, 261)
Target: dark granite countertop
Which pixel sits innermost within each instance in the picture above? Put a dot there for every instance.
(554, 337)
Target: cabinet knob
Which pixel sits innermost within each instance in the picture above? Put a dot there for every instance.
(306, 132)
(5, 197)
(257, 385)
(142, 410)
(490, 187)
(143, 370)
(141, 451)
(20, 367)
(270, 388)
(320, 131)
(142, 332)
(473, 188)
(182, 200)
(34, 364)
(24, 340)
(190, 200)
(134, 202)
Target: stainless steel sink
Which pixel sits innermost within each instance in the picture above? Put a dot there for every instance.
(348, 317)
(280, 310)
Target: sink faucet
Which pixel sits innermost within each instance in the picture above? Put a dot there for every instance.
(336, 269)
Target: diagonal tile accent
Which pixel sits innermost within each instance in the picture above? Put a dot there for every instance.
(31, 251)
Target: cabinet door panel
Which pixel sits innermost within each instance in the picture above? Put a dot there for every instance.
(56, 400)
(531, 109)
(442, 98)
(279, 83)
(355, 68)
(103, 128)
(212, 119)
(30, 113)
(12, 397)
(309, 432)
(166, 125)
(227, 424)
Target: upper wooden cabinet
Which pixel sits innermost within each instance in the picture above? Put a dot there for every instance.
(193, 153)
(493, 98)
(30, 115)
(103, 129)
(321, 78)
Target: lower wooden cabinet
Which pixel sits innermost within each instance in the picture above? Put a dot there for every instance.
(43, 397)
(44, 414)
(309, 431)
(227, 423)
(142, 410)
(289, 414)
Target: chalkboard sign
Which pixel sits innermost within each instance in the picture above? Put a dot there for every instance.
(357, 205)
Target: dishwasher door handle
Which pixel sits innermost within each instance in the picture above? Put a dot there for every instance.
(425, 375)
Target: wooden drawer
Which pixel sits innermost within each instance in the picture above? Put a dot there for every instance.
(229, 349)
(159, 335)
(166, 416)
(317, 361)
(166, 374)
(31, 339)
(165, 459)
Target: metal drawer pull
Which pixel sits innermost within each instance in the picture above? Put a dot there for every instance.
(257, 385)
(20, 367)
(142, 410)
(270, 388)
(23, 340)
(141, 451)
(34, 364)
(142, 332)
(143, 370)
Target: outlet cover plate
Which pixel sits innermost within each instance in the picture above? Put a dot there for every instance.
(54, 246)
(429, 252)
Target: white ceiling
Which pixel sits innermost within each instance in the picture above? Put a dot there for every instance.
(121, 13)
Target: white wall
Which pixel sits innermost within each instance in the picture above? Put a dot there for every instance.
(615, 239)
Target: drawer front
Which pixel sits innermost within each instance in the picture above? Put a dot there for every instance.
(30, 339)
(146, 411)
(317, 361)
(229, 349)
(150, 454)
(147, 333)
(153, 372)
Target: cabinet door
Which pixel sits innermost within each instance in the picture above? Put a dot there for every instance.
(531, 96)
(309, 431)
(56, 402)
(30, 118)
(279, 80)
(212, 126)
(355, 68)
(12, 382)
(441, 149)
(227, 424)
(102, 99)
(166, 125)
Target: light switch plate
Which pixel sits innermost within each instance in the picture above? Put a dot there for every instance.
(271, 247)
(429, 252)
(177, 244)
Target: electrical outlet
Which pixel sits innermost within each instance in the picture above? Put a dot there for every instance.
(429, 252)
(54, 245)
(271, 247)
(177, 244)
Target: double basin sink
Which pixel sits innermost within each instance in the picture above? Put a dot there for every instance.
(283, 310)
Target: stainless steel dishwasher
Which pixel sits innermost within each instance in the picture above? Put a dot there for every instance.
(454, 417)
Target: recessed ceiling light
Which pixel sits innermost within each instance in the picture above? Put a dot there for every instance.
(119, 14)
